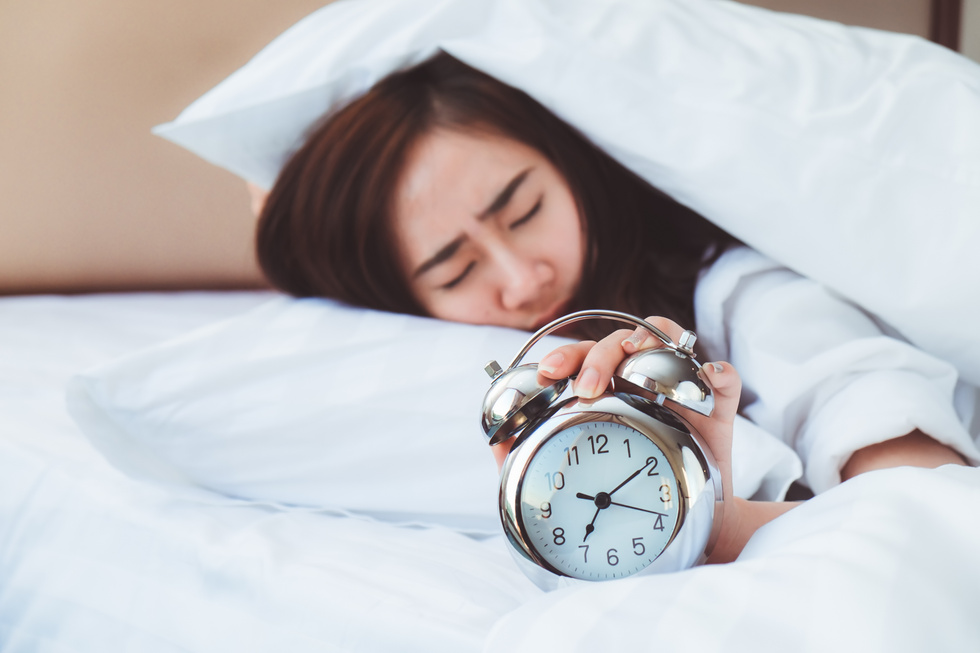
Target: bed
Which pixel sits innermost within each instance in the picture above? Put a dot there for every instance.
(94, 559)
(222, 470)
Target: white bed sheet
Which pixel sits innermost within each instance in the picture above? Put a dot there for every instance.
(91, 560)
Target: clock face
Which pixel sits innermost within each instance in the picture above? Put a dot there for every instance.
(598, 501)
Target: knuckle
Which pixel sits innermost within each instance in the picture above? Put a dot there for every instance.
(668, 326)
(577, 348)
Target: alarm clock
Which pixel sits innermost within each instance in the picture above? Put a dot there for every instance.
(610, 487)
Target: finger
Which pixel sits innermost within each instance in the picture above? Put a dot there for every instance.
(599, 364)
(565, 361)
(603, 359)
(641, 338)
(717, 430)
(501, 450)
(726, 386)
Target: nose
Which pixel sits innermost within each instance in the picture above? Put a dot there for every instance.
(522, 279)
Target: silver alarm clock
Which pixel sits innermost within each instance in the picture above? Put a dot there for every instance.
(605, 488)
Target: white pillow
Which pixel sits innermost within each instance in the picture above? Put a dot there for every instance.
(850, 155)
(313, 403)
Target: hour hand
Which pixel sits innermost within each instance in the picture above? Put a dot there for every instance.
(601, 501)
(590, 527)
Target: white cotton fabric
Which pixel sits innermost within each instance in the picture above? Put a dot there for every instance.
(881, 564)
(822, 374)
(311, 403)
(849, 155)
(92, 560)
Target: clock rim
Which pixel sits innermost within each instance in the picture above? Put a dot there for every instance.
(694, 481)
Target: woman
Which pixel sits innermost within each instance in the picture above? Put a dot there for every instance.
(443, 192)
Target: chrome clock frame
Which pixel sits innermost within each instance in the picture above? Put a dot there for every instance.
(698, 479)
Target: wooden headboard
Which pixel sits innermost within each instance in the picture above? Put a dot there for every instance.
(92, 201)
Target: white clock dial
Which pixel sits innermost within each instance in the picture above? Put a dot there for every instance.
(598, 501)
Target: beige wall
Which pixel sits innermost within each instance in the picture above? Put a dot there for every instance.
(910, 16)
(89, 199)
(970, 35)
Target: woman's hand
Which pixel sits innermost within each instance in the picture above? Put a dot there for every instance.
(595, 362)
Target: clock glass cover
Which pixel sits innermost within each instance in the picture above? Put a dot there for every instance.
(598, 501)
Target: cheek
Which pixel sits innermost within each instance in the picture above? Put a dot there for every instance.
(468, 306)
(567, 243)
(572, 244)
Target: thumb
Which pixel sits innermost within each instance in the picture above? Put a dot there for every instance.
(726, 386)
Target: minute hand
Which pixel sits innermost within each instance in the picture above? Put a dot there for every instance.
(631, 477)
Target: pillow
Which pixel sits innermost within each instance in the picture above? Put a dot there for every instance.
(848, 154)
(310, 403)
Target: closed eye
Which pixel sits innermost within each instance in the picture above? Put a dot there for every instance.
(462, 275)
(527, 216)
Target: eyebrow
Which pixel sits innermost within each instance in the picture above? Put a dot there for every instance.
(496, 206)
(503, 197)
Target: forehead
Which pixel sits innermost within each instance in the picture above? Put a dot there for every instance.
(449, 177)
(467, 169)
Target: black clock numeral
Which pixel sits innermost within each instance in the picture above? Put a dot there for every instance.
(556, 480)
(655, 462)
(559, 536)
(570, 454)
(600, 440)
(665, 492)
(627, 443)
(612, 558)
(546, 510)
(638, 548)
(585, 554)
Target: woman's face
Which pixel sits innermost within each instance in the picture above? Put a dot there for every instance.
(488, 231)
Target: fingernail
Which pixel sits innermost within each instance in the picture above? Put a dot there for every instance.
(551, 362)
(587, 383)
(633, 343)
(718, 368)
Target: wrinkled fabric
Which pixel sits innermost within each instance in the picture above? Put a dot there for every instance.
(823, 375)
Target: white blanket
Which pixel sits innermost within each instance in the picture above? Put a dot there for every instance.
(92, 560)
(887, 562)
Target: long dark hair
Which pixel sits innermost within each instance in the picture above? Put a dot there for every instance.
(325, 231)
